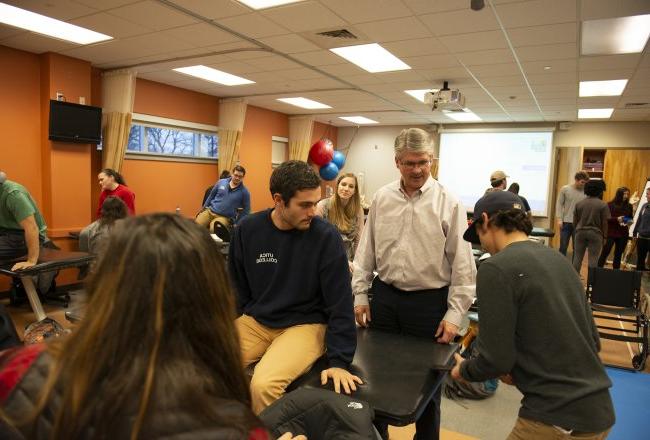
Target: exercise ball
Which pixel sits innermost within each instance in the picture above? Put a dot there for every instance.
(321, 152)
(329, 171)
(338, 159)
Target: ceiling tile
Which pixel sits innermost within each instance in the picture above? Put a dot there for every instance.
(406, 28)
(276, 62)
(290, 43)
(152, 15)
(455, 75)
(491, 70)
(253, 25)
(539, 35)
(111, 25)
(553, 78)
(602, 75)
(513, 80)
(104, 4)
(547, 52)
(363, 11)
(537, 67)
(304, 16)
(200, 35)
(60, 9)
(457, 22)
(213, 9)
(598, 9)
(432, 61)
(420, 46)
(623, 61)
(319, 58)
(598, 102)
(299, 73)
(537, 12)
(474, 41)
(36, 43)
(234, 67)
(9, 31)
(428, 6)
(404, 75)
(486, 57)
(342, 70)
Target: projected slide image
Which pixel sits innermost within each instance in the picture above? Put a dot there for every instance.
(468, 159)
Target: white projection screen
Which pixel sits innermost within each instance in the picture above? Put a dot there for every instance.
(468, 158)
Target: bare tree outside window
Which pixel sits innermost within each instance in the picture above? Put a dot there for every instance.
(172, 141)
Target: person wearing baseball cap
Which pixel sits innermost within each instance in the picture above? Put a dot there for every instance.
(498, 181)
(537, 330)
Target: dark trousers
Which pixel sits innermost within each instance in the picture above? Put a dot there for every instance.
(642, 248)
(416, 314)
(566, 234)
(619, 244)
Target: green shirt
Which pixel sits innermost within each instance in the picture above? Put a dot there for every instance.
(16, 204)
(535, 324)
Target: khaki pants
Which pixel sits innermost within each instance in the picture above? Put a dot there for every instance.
(526, 429)
(283, 354)
(207, 218)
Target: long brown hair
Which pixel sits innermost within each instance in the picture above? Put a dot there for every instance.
(158, 331)
(342, 216)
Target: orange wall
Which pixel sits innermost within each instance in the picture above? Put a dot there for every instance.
(20, 119)
(164, 185)
(158, 99)
(255, 152)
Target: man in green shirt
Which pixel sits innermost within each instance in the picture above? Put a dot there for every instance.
(536, 329)
(22, 228)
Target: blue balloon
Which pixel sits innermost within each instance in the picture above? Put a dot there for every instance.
(338, 159)
(329, 171)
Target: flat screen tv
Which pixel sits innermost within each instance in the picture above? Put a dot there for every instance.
(75, 122)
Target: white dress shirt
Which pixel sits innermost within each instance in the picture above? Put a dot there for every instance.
(416, 243)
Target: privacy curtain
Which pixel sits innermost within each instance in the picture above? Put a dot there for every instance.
(118, 93)
(232, 113)
(300, 130)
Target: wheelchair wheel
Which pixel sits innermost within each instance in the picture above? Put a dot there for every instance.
(638, 361)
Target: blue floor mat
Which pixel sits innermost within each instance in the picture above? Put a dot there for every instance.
(631, 396)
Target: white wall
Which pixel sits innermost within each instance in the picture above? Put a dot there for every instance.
(371, 150)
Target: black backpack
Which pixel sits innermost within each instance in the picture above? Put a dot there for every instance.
(454, 389)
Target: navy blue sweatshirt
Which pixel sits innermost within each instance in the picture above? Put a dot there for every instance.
(287, 278)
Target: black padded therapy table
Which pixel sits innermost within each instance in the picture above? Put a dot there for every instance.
(400, 373)
(48, 260)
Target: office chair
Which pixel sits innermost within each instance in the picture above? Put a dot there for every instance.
(618, 293)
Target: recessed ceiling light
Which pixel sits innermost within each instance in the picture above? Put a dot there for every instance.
(214, 75)
(547, 67)
(371, 57)
(419, 94)
(615, 35)
(595, 113)
(51, 27)
(602, 88)
(465, 116)
(263, 4)
(304, 103)
(358, 120)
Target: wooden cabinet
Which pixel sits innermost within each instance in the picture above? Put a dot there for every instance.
(593, 161)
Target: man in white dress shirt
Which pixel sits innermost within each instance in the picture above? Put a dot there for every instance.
(413, 239)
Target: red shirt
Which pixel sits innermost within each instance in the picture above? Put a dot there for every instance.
(124, 193)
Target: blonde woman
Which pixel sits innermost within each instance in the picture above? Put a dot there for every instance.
(344, 211)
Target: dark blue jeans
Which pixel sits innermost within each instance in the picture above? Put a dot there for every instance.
(416, 314)
(566, 233)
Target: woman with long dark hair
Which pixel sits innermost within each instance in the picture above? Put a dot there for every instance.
(113, 184)
(618, 227)
(156, 355)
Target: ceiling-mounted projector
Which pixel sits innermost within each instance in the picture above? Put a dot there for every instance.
(445, 99)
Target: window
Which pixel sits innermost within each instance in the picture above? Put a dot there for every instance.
(156, 136)
(279, 150)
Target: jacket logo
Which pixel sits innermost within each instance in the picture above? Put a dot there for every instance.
(266, 257)
(355, 405)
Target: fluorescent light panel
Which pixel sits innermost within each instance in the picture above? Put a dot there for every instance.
(615, 35)
(595, 113)
(358, 120)
(465, 116)
(47, 26)
(214, 75)
(371, 57)
(602, 88)
(304, 103)
(264, 4)
(419, 94)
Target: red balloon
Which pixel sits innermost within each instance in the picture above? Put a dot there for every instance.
(321, 152)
